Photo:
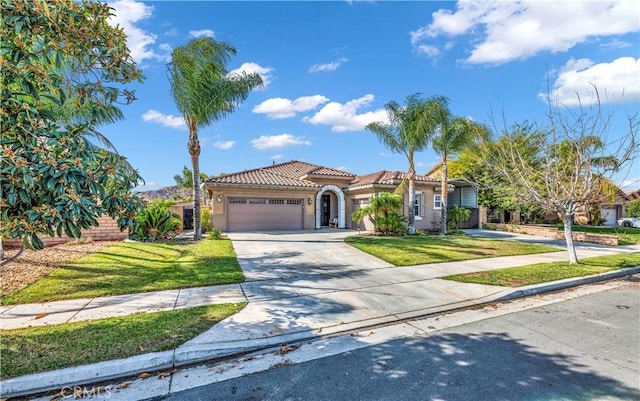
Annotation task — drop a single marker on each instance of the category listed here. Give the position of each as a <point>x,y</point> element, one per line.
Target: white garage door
<point>609,216</point>
<point>264,214</point>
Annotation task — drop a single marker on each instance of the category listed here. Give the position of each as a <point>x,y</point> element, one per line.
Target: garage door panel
<point>609,216</point>
<point>257,214</point>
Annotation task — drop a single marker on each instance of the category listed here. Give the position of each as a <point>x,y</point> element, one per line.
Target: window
<point>237,200</point>
<point>417,203</point>
<point>437,201</point>
<point>294,201</point>
<point>276,201</point>
<point>257,201</point>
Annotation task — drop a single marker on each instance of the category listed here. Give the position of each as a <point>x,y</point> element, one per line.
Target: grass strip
<point>417,250</point>
<point>546,272</point>
<point>39,349</point>
<point>128,268</point>
<point>626,236</point>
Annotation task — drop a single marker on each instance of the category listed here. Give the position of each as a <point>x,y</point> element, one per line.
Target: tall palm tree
<point>408,131</point>
<point>204,92</point>
<point>452,134</point>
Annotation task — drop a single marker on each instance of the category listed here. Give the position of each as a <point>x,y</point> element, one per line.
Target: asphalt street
<point>586,348</point>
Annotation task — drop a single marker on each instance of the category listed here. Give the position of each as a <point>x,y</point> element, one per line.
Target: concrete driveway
<point>281,255</point>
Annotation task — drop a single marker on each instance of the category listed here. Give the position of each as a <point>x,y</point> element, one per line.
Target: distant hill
<point>166,193</point>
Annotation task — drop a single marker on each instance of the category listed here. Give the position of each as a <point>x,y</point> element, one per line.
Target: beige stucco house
<point>297,195</point>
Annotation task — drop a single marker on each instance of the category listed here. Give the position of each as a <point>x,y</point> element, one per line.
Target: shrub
<point>215,234</point>
<point>206,220</point>
<point>633,208</point>
<point>458,214</point>
<point>382,210</point>
<point>156,221</point>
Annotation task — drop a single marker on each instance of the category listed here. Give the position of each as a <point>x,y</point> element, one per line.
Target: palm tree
<point>382,210</point>
<point>408,131</point>
<point>204,92</point>
<point>452,134</point>
<point>186,179</point>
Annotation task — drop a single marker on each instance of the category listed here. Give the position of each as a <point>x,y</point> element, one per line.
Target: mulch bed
<point>32,265</point>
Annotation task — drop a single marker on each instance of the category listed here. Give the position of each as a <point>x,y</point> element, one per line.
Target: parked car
<point>629,222</point>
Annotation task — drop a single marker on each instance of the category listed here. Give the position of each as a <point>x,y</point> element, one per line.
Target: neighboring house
<point>297,195</point>
<point>633,195</point>
<point>465,194</point>
<point>613,209</point>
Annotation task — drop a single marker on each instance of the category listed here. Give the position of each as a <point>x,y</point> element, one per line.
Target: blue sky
<point>330,67</point>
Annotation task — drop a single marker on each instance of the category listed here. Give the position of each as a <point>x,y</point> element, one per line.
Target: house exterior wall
<point>219,215</point>
<point>107,230</point>
<point>429,219</point>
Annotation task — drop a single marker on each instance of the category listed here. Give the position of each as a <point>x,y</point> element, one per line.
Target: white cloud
<point>384,154</point>
<point>518,30</point>
<point>224,144</point>
<point>341,168</point>
<point>250,68</point>
<point>578,80</point>
<point>276,157</point>
<point>430,51</point>
<point>332,66</point>
<point>202,32</point>
<point>166,120</point>
<point>344,117</point>
<point>279,107</point>
<point>420,164</point>
<point>265,142</point>
<point>630,184</point>
<point>171,32</point>
<point>127,14</point>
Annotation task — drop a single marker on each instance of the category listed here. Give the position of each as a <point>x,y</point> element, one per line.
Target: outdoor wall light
<point>219,198</point>
<point>309,201</point>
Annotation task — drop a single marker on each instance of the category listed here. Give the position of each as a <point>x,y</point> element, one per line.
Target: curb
<point>182,356</point>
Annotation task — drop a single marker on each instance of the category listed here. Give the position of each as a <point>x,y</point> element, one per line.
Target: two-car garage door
<point>264,214</point>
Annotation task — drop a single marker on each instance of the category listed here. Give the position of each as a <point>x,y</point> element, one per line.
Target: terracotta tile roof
<point>632,195</point>
<point>261,177</point>
<point>385,177</point>
<point>297,169</point>
<point>289,175</point>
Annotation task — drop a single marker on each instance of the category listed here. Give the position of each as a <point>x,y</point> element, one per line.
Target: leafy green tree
<point>63,73</point>
<point>382,210</point>
<point>494,192</point>
<point>451,135</point>
<point>567,165</point>
<point>186,179</point>
<point>204,92</point>
<point>408,131</point>
<point>633,208</point>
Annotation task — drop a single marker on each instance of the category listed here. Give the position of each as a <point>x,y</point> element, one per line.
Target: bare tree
<point>572,162</point>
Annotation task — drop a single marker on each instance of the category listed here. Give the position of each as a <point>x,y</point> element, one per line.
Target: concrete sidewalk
<point>329,288</point>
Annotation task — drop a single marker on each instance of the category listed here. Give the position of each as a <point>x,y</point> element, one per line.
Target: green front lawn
<point>552,271</point>
<point>39,349</point>
<point>128,268</point>
<point>416,250</point>
<point>626,236</point>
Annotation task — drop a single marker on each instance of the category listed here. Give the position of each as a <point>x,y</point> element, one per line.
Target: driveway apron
<point>308,283</point>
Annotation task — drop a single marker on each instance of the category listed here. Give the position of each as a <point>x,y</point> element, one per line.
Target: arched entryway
<point>341,205</point>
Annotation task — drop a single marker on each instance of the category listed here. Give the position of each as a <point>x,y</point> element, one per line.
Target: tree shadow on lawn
<point>443,367</point>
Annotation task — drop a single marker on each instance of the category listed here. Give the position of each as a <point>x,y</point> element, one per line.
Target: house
<point>612,208</point>
<point>297,195</point>
<point>465,194</point>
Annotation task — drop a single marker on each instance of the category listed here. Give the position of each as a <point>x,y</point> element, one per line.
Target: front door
<point>187,219</point>
<point>325,210</point>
